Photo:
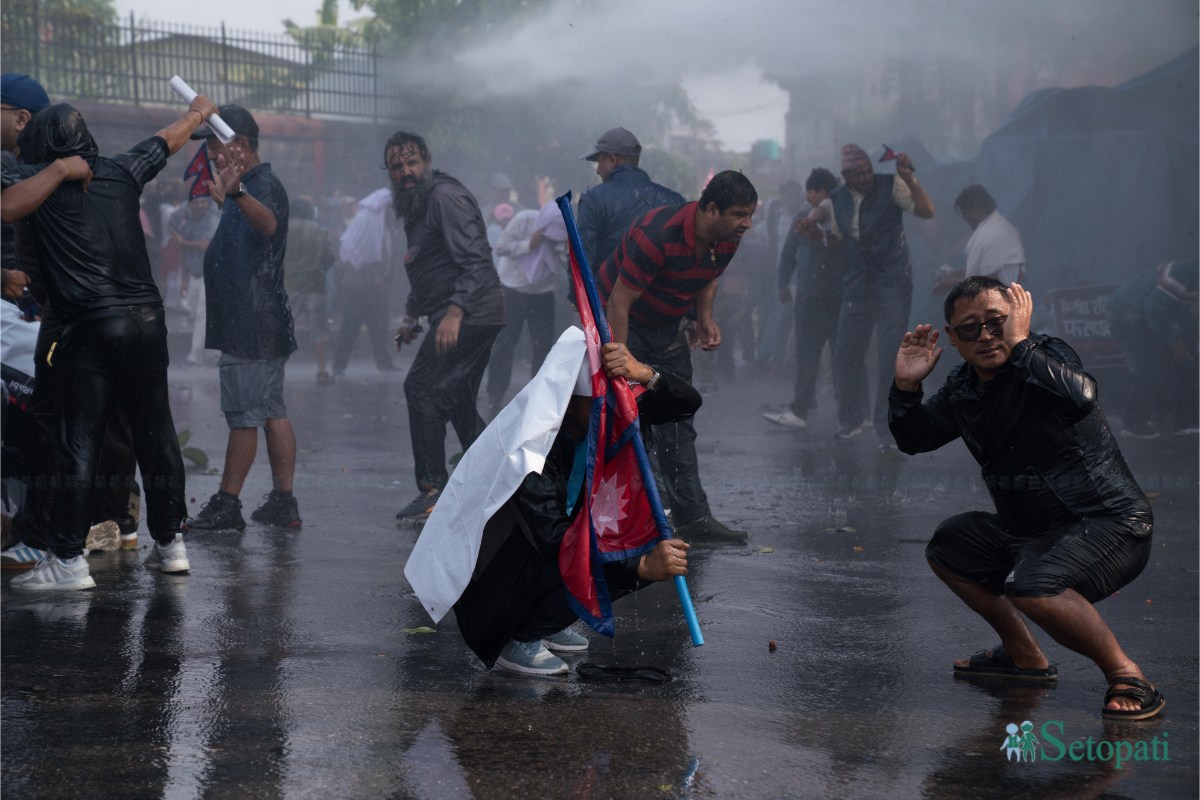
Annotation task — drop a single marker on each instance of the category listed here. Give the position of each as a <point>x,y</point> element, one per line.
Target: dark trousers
<point>871,302</point>
<point>816,324</point>
<point>675,442</point>
<point>441,389</point>
<point>363,307</point>
<point>115,479</point>
<point>109,358</point>
<point>533,310</point>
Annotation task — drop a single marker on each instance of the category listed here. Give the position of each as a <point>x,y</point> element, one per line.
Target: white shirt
<point>995,249</point>
<point>532,271</point>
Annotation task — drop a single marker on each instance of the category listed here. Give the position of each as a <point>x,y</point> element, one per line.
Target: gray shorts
<point>251,391</point>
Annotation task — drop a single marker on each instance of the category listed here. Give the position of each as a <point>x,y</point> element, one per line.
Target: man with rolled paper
<point>250,322</point>
<point>81,212</point>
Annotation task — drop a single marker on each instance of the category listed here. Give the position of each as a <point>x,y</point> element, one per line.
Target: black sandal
<point>1151,699</point>
<point>997,661</point>
<point>589,671</point>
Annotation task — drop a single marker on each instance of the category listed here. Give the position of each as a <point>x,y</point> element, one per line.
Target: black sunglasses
<point>970,331</point>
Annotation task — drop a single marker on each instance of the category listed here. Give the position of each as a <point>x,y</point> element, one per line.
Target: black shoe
<point>711,530</point>
<point>220,513</point>
<point>421,507</point>
<point>279,511</point>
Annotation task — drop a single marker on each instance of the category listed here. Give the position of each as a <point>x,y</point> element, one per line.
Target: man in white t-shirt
<point>995,248</point>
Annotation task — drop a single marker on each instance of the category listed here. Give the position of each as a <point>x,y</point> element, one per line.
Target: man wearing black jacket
<point>112,349</point>
<point>455,285</point>
<point>1071,524</point>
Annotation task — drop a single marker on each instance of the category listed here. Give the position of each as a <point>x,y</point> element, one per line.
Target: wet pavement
<point>287,665</point>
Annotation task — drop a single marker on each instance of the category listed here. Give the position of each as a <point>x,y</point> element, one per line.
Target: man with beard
<point>666,265</point>
<point>455,286</point>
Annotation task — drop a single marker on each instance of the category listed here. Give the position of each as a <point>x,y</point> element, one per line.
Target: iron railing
<point>76,58</point>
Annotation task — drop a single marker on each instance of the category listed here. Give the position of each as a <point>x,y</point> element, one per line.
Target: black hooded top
<point>90,245</point>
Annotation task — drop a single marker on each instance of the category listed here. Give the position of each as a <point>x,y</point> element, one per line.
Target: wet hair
<point>56,132</point>
<point>821,179</point>
<point>400,139</point>
<point>974,198</point>
<point>970,288</point>
<point>302,208</point>
<point>728,189</point>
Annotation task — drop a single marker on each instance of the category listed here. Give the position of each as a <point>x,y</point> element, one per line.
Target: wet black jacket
<point>497,600</point>
<point>607,211</point>
<point>1048,456</point>
<point>449,260</point>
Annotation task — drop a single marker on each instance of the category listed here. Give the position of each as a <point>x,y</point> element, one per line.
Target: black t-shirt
<point>90,244</point>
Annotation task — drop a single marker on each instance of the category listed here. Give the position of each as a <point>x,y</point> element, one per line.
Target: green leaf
<point>422,629</point>
<point>184,436</point>
<point>197,457</point>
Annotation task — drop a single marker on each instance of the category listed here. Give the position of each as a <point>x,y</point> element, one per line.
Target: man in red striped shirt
<point>667,265</point>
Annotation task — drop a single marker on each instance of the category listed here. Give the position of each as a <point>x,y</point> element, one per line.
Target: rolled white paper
<point>222,130</point>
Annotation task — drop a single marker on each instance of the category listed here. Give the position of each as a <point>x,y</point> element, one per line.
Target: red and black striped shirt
<point>658,256</point>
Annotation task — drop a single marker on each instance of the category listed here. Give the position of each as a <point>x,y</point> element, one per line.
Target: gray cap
<point>617,141</point>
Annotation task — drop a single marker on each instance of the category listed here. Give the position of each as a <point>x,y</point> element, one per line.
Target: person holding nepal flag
<point>553,512</point>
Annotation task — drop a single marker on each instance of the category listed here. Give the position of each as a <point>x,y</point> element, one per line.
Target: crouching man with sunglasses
<point>1071,524</point>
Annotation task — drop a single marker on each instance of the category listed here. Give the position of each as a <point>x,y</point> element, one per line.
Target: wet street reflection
<point>294,664</point>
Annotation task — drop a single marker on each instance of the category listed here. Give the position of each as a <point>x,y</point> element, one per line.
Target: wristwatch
<point>650,384</point>
<point>241,190</point>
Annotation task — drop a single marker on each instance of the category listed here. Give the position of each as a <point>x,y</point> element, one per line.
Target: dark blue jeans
<point>674,446</point>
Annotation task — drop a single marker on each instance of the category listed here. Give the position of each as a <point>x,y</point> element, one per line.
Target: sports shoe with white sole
<point>54,573</point>
<point>786,418</point>
<point>21,556</point>
<point>170,557</point>
<point>566,641</point>
<point>530,658</point>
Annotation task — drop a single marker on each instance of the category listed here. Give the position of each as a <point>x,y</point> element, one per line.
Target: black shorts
<point>1095,556</point>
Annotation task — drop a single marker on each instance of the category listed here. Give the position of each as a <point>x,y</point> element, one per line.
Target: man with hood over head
<point>113,350</point>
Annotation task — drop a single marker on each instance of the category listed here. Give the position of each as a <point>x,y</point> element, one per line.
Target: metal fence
<point>75,57</point>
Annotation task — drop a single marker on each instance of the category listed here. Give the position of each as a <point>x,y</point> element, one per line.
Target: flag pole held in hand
<point>613,429</point>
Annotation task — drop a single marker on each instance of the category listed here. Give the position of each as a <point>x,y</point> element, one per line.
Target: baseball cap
<point>617,141</point>
<point>237,118</point>
<point>21,91</point>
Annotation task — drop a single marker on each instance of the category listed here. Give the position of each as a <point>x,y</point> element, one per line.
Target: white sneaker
<point>169,558</point>
<point>54,573</point>
<point>785,418</point>
<point>530,658</point>
<point>566,641</point>
<point>21,556</point>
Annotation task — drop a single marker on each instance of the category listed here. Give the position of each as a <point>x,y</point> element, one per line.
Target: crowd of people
<point>248,263</point>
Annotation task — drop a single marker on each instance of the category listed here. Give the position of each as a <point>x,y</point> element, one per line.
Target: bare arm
<point>706,326</point>
<point>22,199</point>
<point>176,134</point>
<point>922,205</point>
<point>619,302</point>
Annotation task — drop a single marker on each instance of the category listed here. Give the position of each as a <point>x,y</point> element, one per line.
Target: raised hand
<point>916,358</point>
<point>1020,302</point>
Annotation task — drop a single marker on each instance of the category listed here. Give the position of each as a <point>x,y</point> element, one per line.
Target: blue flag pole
<point>660,518</point>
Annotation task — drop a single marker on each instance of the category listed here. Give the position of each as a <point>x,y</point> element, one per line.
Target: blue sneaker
<point>565,641</point>
<point>530,658</point>
<point>21,556</point>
